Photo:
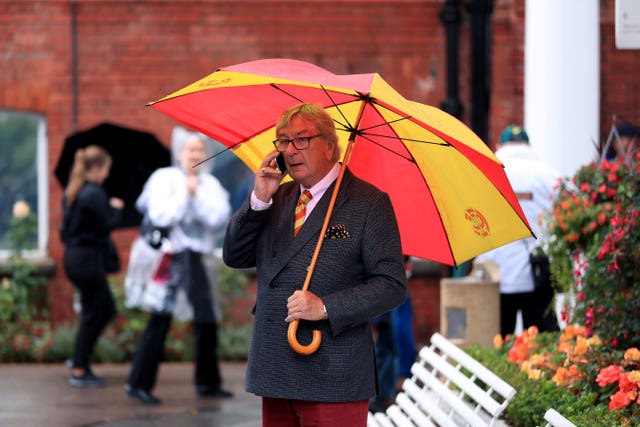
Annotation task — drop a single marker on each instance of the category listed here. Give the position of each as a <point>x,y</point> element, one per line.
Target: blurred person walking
<point>191,206</point>
<point>88,219</point>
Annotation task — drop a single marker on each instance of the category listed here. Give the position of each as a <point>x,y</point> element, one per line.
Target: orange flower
<point>532,331</point>
<point>573,237</point>
<point>535,374</point>
<point>609,375</point>
<point>560,376</point>
<point>498,342</point>
<point>581,346</point>
<point>518,353</point>
<point>574,373</point>
<point>632,354</point>
<point>564,376</point>
<point>634,377</point>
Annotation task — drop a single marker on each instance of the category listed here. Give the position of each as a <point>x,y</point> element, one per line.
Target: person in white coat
<point>535,184</point>
<point>193,207</point>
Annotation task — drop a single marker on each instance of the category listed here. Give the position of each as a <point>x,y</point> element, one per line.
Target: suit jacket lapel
<point>287,245</point>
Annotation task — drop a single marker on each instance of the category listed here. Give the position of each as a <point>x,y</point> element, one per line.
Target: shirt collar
<point>321,186</point>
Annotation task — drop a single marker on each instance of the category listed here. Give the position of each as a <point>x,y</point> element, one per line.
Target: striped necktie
<point>301,211</point>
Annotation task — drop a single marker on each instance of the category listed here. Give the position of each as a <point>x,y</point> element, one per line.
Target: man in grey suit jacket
<point>359,275</point>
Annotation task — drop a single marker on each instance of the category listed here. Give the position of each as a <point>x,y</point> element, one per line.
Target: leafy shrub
<point>594,248</point>
<point>28,340</point>
<point>569,372</point>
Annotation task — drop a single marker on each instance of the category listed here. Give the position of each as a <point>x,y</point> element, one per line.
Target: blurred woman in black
<point>89,217</point>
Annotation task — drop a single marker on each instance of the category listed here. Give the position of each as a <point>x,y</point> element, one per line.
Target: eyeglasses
<point>299,142</point>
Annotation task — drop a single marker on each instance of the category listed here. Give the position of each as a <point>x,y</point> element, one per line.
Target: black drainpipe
<point>451,17</point>
<point>74,66</point>
<point>480,16</point>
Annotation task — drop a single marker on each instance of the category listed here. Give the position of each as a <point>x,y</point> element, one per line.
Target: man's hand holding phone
<point>268,176</point>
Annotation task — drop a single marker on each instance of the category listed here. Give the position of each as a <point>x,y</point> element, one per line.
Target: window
<point>23,176</point>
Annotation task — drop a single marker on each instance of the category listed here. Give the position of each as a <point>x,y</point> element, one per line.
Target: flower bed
<point>585,381</point>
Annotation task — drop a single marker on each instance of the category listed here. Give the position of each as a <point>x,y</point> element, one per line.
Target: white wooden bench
<point>447,388</point>
<point>555,419</point>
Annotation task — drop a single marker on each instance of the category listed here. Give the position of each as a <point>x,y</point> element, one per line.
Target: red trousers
<point>301,413</point>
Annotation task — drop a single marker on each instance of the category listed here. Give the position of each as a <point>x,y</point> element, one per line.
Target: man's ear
<point>329,150</point>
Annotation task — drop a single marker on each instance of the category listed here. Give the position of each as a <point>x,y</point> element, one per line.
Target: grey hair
<point>179,138</point>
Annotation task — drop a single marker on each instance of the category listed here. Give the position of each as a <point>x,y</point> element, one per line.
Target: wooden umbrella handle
<point>293,326</point>
<point>304,350</point>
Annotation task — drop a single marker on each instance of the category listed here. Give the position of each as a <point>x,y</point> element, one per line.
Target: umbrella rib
<point>275,86</point>
<point>348,125</point>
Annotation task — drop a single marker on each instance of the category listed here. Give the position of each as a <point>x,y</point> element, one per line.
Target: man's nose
<point>291,149</point>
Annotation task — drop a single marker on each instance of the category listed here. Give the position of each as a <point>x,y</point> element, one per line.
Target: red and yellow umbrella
<point>451,195</point>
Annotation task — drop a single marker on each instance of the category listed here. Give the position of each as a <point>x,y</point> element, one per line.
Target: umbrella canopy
<point>136,154</point>
<point>450,193</point>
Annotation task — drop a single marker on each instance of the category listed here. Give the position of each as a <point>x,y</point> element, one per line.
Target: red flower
<point>602,218</point>
<point>626,384</point>
<point>619,400</point>
<point>609,375</point>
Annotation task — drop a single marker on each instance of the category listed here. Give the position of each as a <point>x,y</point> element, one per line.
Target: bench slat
<point>555,419</point>
<point>428,401</point>
<point>382,419</point>
<point>410,407</point>
<point>398,417</point>
<point>452,399</point>
<point>465,383</point>
<point>371,421</point>
<point>482,372</point>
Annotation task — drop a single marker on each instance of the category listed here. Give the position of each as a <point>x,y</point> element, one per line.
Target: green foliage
<point>22,233</point>
<point>22,293</point>
<point>28,340</point>
<point>233,342</point>
<point>62,342</point>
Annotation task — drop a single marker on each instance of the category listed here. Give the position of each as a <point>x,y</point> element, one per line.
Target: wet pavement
<point>38,395</point>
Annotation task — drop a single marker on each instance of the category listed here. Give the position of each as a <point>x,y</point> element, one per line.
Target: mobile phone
<point>281,164</point>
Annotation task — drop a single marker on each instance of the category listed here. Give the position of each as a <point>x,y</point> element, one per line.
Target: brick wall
<point>131,52</point>
<point>619,70</point>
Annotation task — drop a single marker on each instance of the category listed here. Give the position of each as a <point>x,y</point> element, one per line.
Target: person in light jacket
<point>193,206</point>
<point>535,184</point>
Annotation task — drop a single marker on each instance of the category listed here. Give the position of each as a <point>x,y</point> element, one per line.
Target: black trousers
<point>188,269</point>
<point>525,302</point>
<point>85,268</point>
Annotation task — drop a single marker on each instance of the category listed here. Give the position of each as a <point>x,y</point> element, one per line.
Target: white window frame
<point>42,167</point>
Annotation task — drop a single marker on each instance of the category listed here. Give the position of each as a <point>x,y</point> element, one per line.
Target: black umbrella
<point>136,154</point>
